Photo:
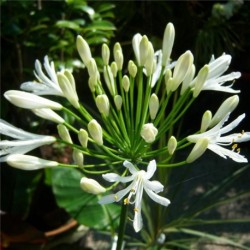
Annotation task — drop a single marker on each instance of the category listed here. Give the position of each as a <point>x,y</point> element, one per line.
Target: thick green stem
<point>122,226</point>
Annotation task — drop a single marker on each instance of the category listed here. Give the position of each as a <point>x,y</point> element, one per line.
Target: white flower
<point>24,142</point>
<point>216,141</point>
<point>28,162</point>
<point>45,85</point>
<point>139,181</point>
<point>216,79</point>
<point>149,132</point>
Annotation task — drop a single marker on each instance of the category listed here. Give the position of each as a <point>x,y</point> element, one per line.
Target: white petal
<point>113,177</point>
<point>107,199</point>
<point>150,169</point>
<point>219,66</point>
<point>155,186</point>
<point>157,198</point>
<point>136,43</point>
<point>223,152</point>
<point>233,124</point>
<point>137,223</point>
<point>234,138</point>
<point>130,167</point>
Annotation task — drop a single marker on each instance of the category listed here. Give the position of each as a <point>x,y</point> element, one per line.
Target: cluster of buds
<point>136,112</point>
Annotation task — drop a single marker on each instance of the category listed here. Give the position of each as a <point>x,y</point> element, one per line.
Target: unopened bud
<point>200,80</point>
<point>118,55</point>
<point>153,106</point>
<point>102,103</point>
<point>143,47</point>
<point>206,120</point>
<point>91,186</point>
<point>226,107</point>
<point>149,132</point>
<point>167,44</point>
<point>105,54</point>
<point>125,83</point>
<point>95,131</point>
<point>83,49</point>
<point>64,133</point>
<point>92,83</point>
<point>48,114</point>
<point>132,68</point>
<point>92,67</point>
<point>172,144</point>
<point>182,67</point>
<point>78,157</point>
<point>118,102</point>
<point>114,69</point>
<point>83,137</point>
<point>150,61</point>
<point>198,149</point>
<point>68,89</point>
<point>109,79</point>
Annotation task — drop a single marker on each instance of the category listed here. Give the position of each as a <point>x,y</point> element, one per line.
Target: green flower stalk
<point>138,106</point>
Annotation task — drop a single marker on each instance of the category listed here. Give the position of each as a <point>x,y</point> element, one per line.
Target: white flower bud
<point>149,132</point>
<point>48,114</point>
<point>182,67</point>
<point>125,83</point>
<point>109,79</point>
<point>92,67</point>
<point>105,54</point>
<point>114,69</point>
<point>102,103</point>
<point>169,84</point>
<point>28,162</point>
<point>198,149</point>
<point>188,79</point>
<point>83,137</point>
<point>92,83</point>
<point>118,102</point>
<point>95,131</point>
<point>153,106</point>
<point>78,157</point>
<point>226,107</point>
<point>83,50</point>
<point>150,61</point>
<point>70,77</point>
<point>143,47</point>
<point>26,100</point>
<point>91,186</point>
<point>64,133</point>
<point>68,89</point>
<point>172,144</point>
<point>167,44</point>
<point>200,80</point>
<point>206,120</point>
<point>118,55</point>
<point>132,68</point>
<point>136,44</point>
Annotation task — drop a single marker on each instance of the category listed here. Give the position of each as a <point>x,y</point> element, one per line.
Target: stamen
<point>234,146</point>
<point>126,201</point>
<point>136,209</point>
<point>238,150</point>
<point>132,190</point>
<point>242,132</point>
<point>116,197</point>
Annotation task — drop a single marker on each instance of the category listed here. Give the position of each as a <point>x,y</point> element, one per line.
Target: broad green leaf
<point>100,25</point>
<point>80,205</point>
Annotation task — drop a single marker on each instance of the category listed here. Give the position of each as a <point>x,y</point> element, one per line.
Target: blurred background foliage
<point>32,29</point>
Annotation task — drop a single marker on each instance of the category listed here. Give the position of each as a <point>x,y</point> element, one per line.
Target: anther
<point>126,201</point>
<point>136,209</point>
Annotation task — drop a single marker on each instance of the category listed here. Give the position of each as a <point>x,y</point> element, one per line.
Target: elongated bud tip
<point>91,186</point>
<point>105,54</point>
<point>125,83</point>
<point>78,157</point>
<point>83,137</point>
<point>198,149</point>
<point>83,49</point>
<point>200,80</point>
<point>64,133</point>
<point>102,103</point>
<point>206,120</point>
<point>132,68</point>
<point>172,144</point>
<point>118,102</point>
<point>153,106</point>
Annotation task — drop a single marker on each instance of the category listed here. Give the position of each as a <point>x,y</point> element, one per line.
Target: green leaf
<point>100,25</point>
<point>68,24</point>
<point>80,205</point>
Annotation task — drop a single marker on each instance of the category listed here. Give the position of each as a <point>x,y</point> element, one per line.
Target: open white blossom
<point>23,143</point>
<point>216,140</point>
<point>139,181</point>
<point>46,85</point>
<point>216,80</point>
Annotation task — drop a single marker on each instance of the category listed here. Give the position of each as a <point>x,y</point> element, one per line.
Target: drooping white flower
<point>139,181</point>
<point>216,80</point>
<point>29,162</point>
<point>23,143</point>
<point>216,140</point>
<point>47,84</point>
